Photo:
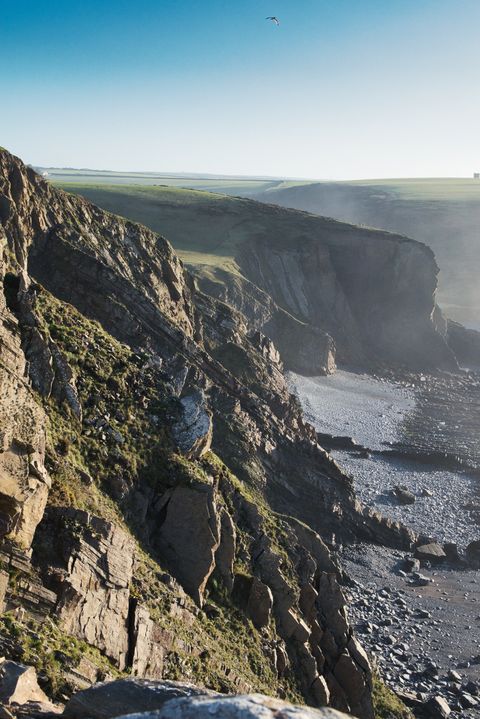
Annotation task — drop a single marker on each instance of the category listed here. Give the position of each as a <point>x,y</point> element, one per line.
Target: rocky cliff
<point>165,510</point>
<point>364,296</point>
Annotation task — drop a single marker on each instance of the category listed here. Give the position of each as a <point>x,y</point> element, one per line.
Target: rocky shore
<point>409,443</point>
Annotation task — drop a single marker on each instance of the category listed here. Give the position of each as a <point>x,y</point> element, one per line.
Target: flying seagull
<point>273,19</point>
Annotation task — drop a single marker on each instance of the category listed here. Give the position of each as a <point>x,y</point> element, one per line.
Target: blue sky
<point>342,89</point>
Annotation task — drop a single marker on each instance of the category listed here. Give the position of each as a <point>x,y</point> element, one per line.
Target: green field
<point>226,185</point>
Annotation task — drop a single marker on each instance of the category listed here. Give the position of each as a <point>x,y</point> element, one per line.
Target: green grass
<point>225,185</point>
<point>436,189</point>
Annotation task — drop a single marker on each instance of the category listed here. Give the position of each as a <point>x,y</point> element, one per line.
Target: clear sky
<point>342,89</point>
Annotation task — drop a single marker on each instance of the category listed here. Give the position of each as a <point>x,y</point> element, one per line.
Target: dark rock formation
<point>465,343</point>
<point>189,535</point>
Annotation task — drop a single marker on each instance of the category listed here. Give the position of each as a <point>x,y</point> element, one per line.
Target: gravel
<point>373,411</point>
<point>369,410</point>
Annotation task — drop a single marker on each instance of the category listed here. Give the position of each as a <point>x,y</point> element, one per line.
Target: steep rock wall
<point>374,293</point>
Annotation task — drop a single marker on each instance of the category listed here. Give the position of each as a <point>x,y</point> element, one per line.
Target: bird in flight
<point>273,19</point>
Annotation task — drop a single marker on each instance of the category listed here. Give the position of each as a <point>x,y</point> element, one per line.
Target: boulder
<point>225,555</point>
<point>437,708</point>
<point>260,603</point>
<point>403,495</point>
<point>93,596</point>
<point>19,685</point>
<point>193,431</point>
<point>411,564</point>
<point>251,706</point>
<point>432,552</point>
<point>124,696</point>
<point>473,552</point>
<point>189,535</point>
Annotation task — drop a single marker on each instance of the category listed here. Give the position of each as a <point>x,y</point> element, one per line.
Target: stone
<point>411,564</point>
<point>467,701</point>
<point>225,554</point>
<point>432,552</point>
<point>19,685</point>
<point>321,692</point>
<point>146,638</point>
<point>251,706</point>
<point>358,653</point>
<point>454,675</point>
<point>451,551</point>
<point>110,699</point>
<point>353,681</point>
<point>3,589</point>
<point>438,708</point>
<point>281,660</point>
<point>403,495</point>
<point>93,596</point>
<point>193,431</point>
<point>473,553</point>
<point>260,603</point>
<point>189,535</point>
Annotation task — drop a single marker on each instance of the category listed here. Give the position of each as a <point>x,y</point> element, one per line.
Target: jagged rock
<point>293,627</point>
<point>193,431</point>
<point>189,535</point>
<point>430,553</point>
<point>281,660</point>
<point>260,603</point>
<point>132,696</point>
<point>465,343</point>
<point>411,564</point>
<point>3,588</point>
<point>359,654</point>
<point>321,692</point>
<point>451,551</point>
<point>353,682</point>
<point>225,554</point>
<point>93,597</point>
<point>18,684</point>
<point>23,492</point>
<point>149,651</point>
<point>438,708</point>
<point>253,706</point>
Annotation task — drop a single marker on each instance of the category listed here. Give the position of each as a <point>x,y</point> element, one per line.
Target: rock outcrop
<point>188,535</point>
<point>173,541</point>
<point>373,292</point>
<point>24,481</point>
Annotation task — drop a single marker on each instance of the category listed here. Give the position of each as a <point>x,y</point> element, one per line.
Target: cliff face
<point>373,292</point>
<point>152,539</point>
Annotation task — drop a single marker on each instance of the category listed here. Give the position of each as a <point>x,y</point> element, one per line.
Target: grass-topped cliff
<point>313,268</point>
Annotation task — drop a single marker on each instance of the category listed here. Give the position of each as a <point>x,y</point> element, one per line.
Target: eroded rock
<point>19,685</point>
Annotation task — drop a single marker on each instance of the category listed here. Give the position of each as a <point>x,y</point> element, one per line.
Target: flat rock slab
<point>251,706</point>
<point>112,699</point>
<point>18,684</point>
<point>432,552</point>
